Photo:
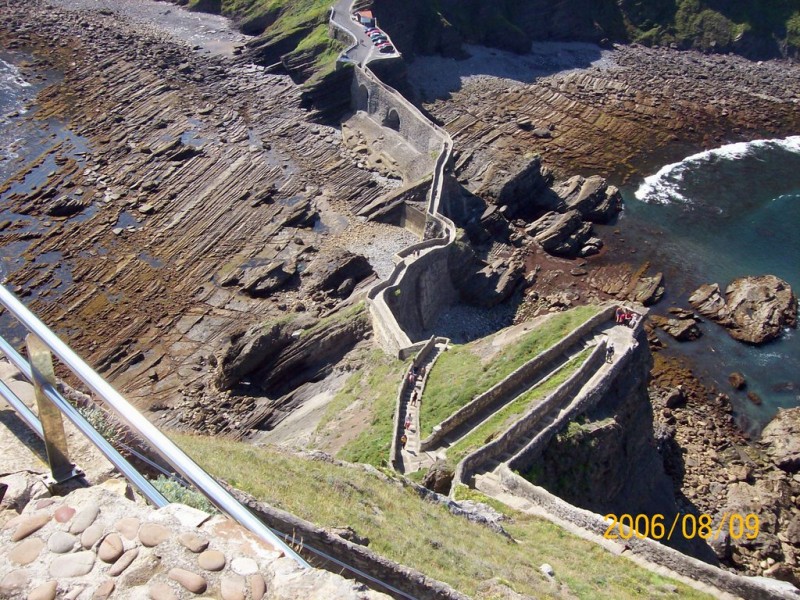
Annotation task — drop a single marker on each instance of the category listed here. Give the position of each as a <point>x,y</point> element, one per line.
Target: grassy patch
<point>511,412</point>
<point>458,375</point>
<point>175,492</point>
<point>357,311</point>
<point>405,528</point>
<point>375,385</point>
<point>300,24</point>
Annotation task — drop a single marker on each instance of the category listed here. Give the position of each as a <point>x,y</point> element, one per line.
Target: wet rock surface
<point>202,193</point>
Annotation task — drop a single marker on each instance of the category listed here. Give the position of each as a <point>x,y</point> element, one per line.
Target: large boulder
<point>327,273</point>
<point>683,330</point>
<point>753,309</point>
<point>521,186</point>
<point>262,280</point>
<point>782,439</point>
<point>592,197</point>
<point>562,234</point>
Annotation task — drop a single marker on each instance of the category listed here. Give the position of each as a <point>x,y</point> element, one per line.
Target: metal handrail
<point>130,472</point>
<point>128,414</point>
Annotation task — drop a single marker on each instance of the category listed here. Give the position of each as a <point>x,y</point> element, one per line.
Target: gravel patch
<point>213,34</point>
<point>436,76</point>
<point>463,323</point>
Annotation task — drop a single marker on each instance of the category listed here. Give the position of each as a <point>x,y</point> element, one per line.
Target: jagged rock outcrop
<point>592,197</point>
<point>249,349</point>
<point>336,272</point>
<point>519,184</point>
<point>262,280</point>
<point>480,283</point>
<point>563,234</point>
<point>439,478</point>
<point>782,440</point>
<point>682,330</point>
<point>753,309</point>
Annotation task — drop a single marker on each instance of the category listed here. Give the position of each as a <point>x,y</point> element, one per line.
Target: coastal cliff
<point>607,460</point>
<point>748,29</point>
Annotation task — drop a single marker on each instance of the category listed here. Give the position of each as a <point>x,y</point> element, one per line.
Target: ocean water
<point>712,217</point>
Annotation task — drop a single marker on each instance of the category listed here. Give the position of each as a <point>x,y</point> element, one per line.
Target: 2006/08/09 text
<point>688,525</point>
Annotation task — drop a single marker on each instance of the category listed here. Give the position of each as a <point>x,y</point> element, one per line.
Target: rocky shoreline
<point>616,120</point>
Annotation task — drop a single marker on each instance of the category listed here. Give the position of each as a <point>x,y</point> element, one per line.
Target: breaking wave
<point>665,187</point>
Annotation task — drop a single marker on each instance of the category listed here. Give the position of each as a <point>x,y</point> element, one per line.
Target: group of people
<point>623,316</point>
<point>414,373</point>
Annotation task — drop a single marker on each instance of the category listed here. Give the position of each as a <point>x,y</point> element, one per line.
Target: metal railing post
<point>55,439</point>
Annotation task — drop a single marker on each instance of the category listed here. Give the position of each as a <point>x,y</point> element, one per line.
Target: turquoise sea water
<point>715,216</point>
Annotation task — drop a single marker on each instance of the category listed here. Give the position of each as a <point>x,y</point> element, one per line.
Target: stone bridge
<point>409,300</point>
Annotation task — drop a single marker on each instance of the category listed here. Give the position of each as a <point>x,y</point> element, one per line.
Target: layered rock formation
<point>753,309</point>
<point>782,439</point>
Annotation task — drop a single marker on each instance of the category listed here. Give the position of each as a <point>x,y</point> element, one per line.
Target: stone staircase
<point>412,457</point>
<point>521,443</point>
<point>477,420</point>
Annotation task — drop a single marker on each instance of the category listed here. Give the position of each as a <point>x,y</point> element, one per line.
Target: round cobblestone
<point>61,542</point>
<point>191,581</point>
<point>26,551</point>
<point>46,591</point>
<point>111,548</point>
<point>152,534</point>
<point>211,560</point>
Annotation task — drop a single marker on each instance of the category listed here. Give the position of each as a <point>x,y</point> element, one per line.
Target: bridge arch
<point>362,98</point>
<point>392,120</point>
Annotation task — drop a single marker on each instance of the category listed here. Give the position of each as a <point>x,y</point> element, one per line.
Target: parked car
<point>371,30</point>
<point>380,40</point>
<point>383,45</point>
<point>377,35</point>
<point>386,49</point>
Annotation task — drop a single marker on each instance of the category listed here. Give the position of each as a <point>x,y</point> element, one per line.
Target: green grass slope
<point>294,29</point>
<point>407,529</point>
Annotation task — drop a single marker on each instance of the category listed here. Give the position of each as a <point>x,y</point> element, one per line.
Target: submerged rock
<point>753,309</point>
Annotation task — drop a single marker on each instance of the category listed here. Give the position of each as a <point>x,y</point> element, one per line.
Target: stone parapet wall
<point>750,588</point>
<point>472,462</point>
<point>516,379</point>
<point>586,401</point>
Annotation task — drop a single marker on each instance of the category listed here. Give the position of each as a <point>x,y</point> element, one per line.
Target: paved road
<point>365,51</point>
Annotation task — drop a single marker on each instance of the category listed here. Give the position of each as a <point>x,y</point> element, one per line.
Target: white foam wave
<point>9,74</point>
<point>664,186</point>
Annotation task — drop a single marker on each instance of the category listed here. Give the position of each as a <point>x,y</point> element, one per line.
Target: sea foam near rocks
<point>664,187</point>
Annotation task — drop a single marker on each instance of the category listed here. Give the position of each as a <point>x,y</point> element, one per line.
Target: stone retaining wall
<point>516,379</point>
<point>751,588</point>
<point>469,465</point>
<point>524,458</point>
<point>381,100</point>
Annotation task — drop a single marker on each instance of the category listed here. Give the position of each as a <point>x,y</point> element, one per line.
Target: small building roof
<point>367,14</point>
